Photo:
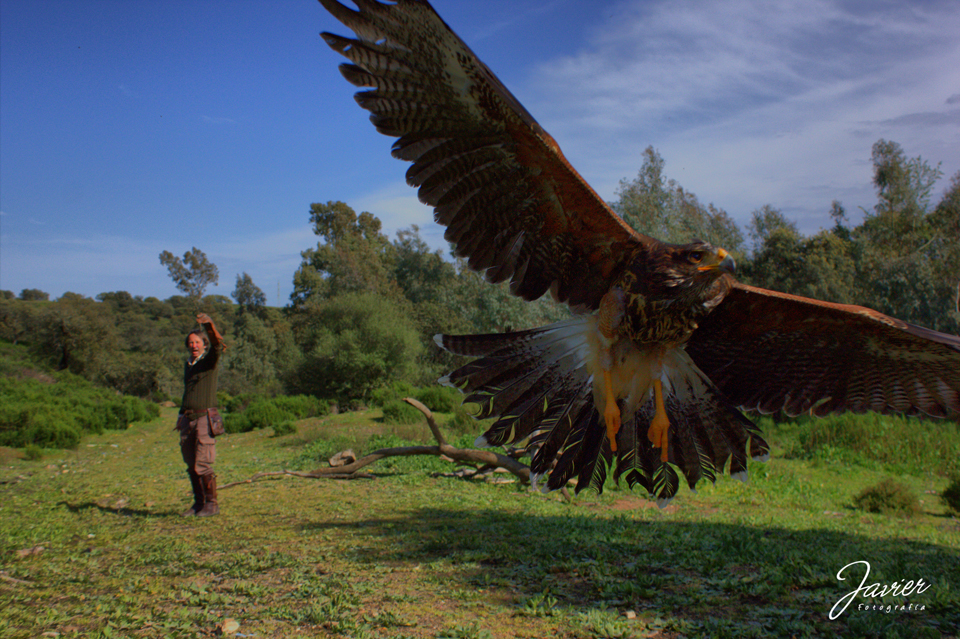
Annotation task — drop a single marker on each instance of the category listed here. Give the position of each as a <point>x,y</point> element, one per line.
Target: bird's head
<point>689,273</point>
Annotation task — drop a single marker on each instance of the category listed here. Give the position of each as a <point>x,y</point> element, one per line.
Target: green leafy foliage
<point>353,344</point>
<point>905,444</point>
<point>54,410</point>
<point>365,308</point>
<point>663,209</point>
<point>901,260</point>
<point>400,412</point>
<point>192,274</point>
<point>354,256</point>
<point>888,497</point>
<point>951,494</point>
<point>277,413</point>
<point>441,399</point>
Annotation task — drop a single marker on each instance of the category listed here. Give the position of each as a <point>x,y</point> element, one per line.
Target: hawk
<point>664,348</point>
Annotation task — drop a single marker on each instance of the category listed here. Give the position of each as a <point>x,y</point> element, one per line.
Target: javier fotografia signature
<point>878,590</point>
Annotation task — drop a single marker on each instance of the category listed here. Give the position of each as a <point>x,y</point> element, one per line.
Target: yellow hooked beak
<point>722,260</point>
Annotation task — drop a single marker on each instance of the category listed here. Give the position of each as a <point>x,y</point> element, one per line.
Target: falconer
<point>199,421</point>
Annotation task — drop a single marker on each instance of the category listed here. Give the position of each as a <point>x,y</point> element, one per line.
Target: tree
<point>75,335</point>
<point>34,295</point>
<point>819,266</point>
<point>192,274</point>
<point>661,208</point>
<point>908,254</point>
<point>766,222</point>
<point>251,357</point>
<point>354,256</point>
<point>248,295</point>
<point>352,344</point>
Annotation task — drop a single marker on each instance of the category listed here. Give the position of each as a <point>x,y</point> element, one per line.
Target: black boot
<point>209,485</point>
<point>197,495</point>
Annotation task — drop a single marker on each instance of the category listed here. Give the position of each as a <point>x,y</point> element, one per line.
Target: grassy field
<point>91,546</point>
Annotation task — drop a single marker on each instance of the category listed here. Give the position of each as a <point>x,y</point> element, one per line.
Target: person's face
<point>195,346</point>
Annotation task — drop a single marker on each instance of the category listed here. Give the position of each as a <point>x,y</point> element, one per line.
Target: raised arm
<point>216,339</point>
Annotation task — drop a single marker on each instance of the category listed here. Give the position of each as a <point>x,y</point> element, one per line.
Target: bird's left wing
<point>511,202</point>
<point>771,351</point>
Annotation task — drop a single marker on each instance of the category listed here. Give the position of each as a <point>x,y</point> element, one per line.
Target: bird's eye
<point>695,257</point>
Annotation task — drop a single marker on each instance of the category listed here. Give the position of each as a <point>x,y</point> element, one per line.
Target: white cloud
<point>753,103</point>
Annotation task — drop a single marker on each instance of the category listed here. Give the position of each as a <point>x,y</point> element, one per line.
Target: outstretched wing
<point>772,351</point>
<point>511,202</point>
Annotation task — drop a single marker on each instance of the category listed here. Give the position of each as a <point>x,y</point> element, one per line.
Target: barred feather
<point>518,212</point>
<point>539,384</point>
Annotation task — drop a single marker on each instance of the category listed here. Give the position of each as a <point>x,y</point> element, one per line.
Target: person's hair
<point>197,331</point>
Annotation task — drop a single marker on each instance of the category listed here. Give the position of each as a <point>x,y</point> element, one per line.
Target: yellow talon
<point>611,414</point>
<point>660,424</point>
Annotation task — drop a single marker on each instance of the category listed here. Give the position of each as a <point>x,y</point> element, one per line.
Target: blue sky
<point>130,127</point>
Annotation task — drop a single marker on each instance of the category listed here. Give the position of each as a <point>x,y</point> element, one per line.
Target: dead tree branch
<point>351,470</point>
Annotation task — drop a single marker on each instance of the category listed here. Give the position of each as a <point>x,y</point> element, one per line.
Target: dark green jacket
<point>200,382</point>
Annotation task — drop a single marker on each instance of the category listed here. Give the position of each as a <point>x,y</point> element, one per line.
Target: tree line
<point>364,307</point>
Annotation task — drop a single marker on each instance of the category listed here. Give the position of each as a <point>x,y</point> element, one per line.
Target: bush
<point>354,344</point>
<point>278,413</point>
<point>464,424</point>
<point>33,452</point>
<point>284,428</point>
<point>921,445</point>
<point>888,497</point>
<point>236,403</point>
<point>391,392</point>
<point>56,412</point>
<point>440,399</point>
<point>398,411</point>
<point>951,495</point>
<point>303,406</point>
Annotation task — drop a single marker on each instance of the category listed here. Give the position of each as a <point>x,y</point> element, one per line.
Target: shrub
<point>463,423</point>
<point>441,399</point>
<point>33,452</point>
<point>398,411</point>
<point>353,344</point>
<point>302,406</point>
<point>951,495</point>
<point>236,403</point>
<point>284,428</point>
<point>396,390</point>
<point>277,413</point>
<point>266,413</point>
<point>888,497</point>
<point>56,413</point>
<point>922,445</point>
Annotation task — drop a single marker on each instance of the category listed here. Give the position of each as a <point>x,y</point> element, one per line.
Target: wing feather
<point>771,351</point>
<point>493,174</point>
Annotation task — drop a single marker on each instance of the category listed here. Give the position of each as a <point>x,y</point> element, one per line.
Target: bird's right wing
<point>511,202</point>
<point>771,351</point>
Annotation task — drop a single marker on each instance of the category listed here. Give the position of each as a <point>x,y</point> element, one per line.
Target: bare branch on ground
<point>488,458</point>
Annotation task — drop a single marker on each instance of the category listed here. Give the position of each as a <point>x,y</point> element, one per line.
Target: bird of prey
<point>664,347</point>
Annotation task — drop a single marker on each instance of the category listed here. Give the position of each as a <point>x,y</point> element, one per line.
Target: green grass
<point>413,554</point>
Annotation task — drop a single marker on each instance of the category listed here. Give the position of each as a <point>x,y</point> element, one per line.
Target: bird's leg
<point>610,316</point>
<point>611,413</point>
<point>660,424</point>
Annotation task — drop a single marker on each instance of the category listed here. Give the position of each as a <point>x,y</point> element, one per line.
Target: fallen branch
<point>20,582</point>
<point>442,449</point>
